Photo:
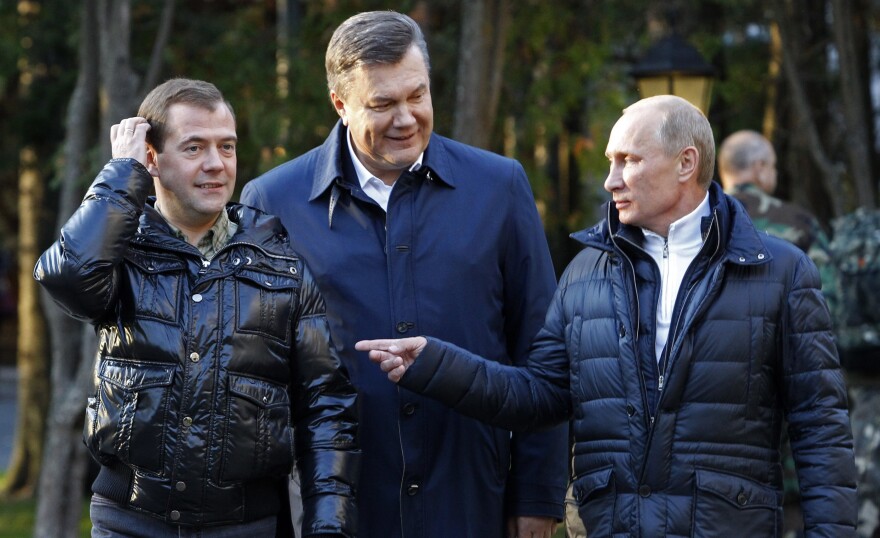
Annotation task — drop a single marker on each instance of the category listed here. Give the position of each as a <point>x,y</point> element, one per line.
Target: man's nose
<point>213,160</point>
<point>614,180</point>
<point>404,116</point>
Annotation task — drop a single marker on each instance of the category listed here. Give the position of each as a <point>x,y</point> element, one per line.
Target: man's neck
<point>192,232</point>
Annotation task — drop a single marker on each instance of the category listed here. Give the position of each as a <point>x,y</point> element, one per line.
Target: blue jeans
<point>110,520</point>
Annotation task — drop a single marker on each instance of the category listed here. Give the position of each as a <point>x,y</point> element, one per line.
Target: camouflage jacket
<point>779,218</point>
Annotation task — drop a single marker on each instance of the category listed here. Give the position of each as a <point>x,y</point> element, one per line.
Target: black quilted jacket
<point>209,372</point>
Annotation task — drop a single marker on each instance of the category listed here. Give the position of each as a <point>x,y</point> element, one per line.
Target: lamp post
<point>673,66</point>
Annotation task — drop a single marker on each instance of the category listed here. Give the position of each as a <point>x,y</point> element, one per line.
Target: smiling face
<point>195,172</point>
<point>389,114</point>
<point>650,188</point>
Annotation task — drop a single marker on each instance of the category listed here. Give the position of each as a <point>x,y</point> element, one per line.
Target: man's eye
<point>380,107</point>
<point>191,149</point>
<point>230,148</point>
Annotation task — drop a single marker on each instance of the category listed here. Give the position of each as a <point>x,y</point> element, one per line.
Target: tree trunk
<point>119,82</point>
<point>59,498</point>
<point>830,171</point>
<point>164,33</point>
<point>288,18</point>
<point>774,66</point>
<point>480,70</point>
<point>105,68</point>
<point>32,364</point>
<point>856,111</point>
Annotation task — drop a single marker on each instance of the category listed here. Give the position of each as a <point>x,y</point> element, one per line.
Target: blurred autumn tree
<point>538,80</point>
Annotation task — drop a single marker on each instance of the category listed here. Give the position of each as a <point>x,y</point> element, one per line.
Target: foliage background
<point>565,78</point>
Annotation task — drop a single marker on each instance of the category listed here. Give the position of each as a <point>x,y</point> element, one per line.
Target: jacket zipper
<point>662,371</point>
<point>664,277</point>
<point>638,322</point>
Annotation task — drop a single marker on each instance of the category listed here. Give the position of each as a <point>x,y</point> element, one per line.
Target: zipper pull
<point>660,383</point>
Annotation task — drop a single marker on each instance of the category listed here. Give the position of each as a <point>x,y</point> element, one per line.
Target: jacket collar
<point>741,241</point>
<point>329,170</point>
<point>254,227</point>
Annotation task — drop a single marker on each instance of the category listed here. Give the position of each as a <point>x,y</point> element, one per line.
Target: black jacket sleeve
<point>80,270</point>
<point>325,418</point>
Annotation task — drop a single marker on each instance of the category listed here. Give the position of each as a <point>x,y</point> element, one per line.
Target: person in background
<point>747,169</point>
<point>213,340</point>
<point>678,342</point>
<point>410,232</point>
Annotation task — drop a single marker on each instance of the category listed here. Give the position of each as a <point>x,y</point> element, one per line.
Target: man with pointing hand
<point>678,343</point>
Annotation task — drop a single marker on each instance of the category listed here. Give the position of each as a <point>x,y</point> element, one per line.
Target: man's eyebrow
<point>202,139</point>
<point>383,97</point>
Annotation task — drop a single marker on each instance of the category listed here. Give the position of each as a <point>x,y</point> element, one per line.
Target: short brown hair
<point>370,38</point>
<point>155,105</point>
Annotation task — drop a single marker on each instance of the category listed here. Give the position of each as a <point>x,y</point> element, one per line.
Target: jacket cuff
<point>422,370</point>
<point>331,515</point>
<point>538,508</point>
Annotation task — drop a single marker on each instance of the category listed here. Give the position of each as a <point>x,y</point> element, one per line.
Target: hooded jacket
<point>696,454</point>
<point>204,367</point>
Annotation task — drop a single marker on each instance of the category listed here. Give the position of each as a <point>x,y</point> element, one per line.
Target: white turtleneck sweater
<point>673,255</point>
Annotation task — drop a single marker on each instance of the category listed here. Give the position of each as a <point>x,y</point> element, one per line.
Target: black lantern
<point>673,66</point>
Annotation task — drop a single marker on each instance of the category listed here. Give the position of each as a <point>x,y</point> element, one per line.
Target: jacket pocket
<point>726,501</point>
<point>127,418</point>
<point>156,282</point>
<point>266,302</point>
<point>258,441</point>
<point>596,497</point>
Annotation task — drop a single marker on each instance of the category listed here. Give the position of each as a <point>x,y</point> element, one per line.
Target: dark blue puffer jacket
<point>749,347</point>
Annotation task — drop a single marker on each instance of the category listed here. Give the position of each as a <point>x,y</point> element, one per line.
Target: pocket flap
<point>273,281</point>
<point>136,375</point>
<point>154,263</point>
<point>586,485</point>
<point>261,393</point>
<point>737,490</point>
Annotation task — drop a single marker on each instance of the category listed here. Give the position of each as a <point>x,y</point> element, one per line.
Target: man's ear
<point>152,160</point>
<point>339,106</point>
<point>688,161</point>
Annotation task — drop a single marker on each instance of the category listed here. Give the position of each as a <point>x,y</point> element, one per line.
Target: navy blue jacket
<point>460,254</point>
<point>750,346</point>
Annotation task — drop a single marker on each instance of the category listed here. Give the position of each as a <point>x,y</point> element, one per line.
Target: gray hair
<point>682,125</point>
<point>370,38</point>
<point>742,149</point>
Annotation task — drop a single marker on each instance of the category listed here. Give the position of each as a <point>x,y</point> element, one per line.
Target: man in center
<point>408,232</point>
